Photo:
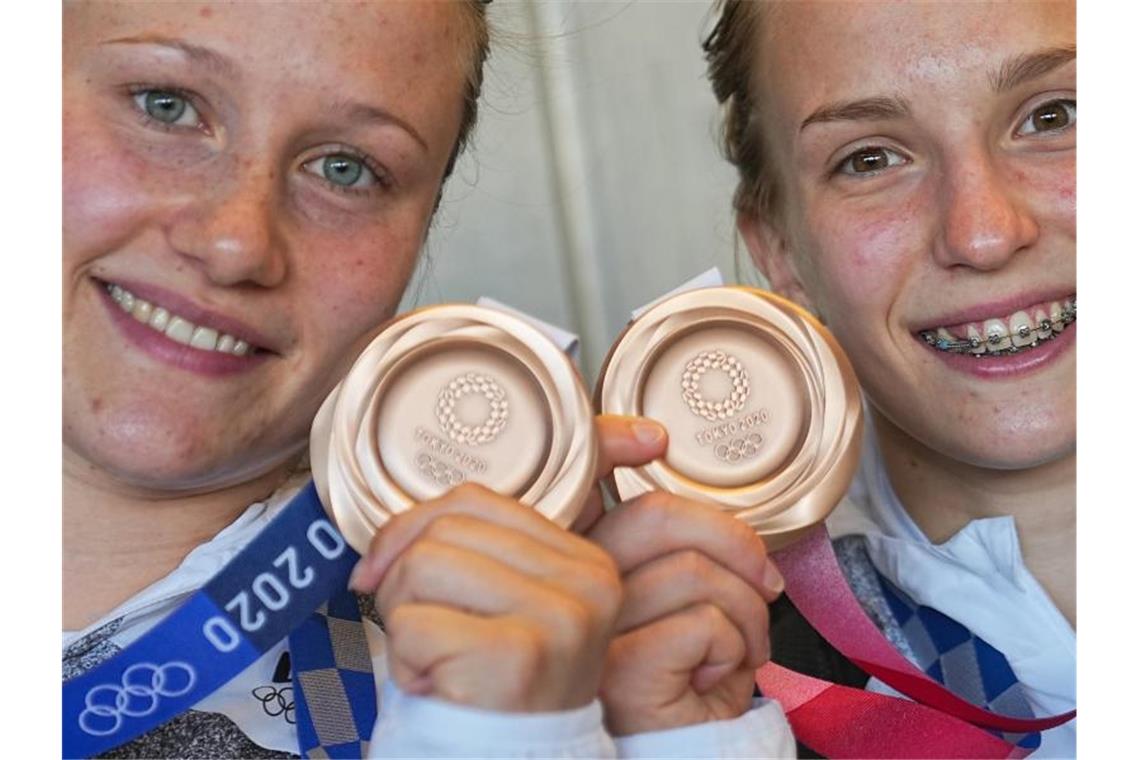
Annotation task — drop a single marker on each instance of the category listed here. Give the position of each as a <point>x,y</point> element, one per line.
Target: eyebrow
<point>196,53</point>
<point>355,110</point>
<point>864,109</point>
<point>1013,72</point>
<point>1023,68</point>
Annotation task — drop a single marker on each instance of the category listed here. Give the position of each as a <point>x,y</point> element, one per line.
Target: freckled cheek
<point>1053,195</point>
<point>103,201</point>
<point>863,260</point>
<point>358,288</point>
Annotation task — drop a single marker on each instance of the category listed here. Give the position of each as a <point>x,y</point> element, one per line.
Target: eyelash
<point>382,178</point>
<point>837,170</point>
<point>1068,104</point>
<point>135,90</point>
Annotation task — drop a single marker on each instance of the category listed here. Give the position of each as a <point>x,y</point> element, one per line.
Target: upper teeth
<point>179,329</point>
<point>1009,335</point>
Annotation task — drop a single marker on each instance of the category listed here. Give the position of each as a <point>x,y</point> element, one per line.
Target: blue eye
<point>343,170</point>
<point>167,107</point>
<point>869,160</point>
<point>1054,116</point>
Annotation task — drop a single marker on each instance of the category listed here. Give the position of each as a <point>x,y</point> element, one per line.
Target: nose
<point>230,230</point>
<point>985,219</point>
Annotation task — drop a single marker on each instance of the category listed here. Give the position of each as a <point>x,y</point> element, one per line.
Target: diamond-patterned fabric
<point>964,663</point>
<point>332,676</point>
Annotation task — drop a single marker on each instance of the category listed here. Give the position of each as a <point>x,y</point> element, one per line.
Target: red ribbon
<point>842,722</point>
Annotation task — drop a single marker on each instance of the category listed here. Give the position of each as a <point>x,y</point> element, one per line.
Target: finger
<point>628,442</point>
<point>434,573</point>
<point>622,441</point>
<point>670,584</point>
<point>470,499</point>
<point>592,511</point>
<point>444,652</point>
<point>658,523</point>
<point>595,583</point>
<point>661,657</point>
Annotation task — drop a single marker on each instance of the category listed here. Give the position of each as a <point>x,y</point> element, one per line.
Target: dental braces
<point>971,345</point>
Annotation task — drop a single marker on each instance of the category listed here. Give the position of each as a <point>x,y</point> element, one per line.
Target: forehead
<point>335,30</point>
<point>815,52</point>
<point>411,52</point>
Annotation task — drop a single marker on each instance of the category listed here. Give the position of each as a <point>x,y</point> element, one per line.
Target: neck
<point>942,495</point>
<point>119,540</point>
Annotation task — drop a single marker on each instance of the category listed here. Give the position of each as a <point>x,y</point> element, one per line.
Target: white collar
<point>978,578</point>
<point>154,602</point>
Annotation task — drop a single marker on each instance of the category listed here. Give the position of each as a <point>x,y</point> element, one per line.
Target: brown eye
<point>1050,117</point>
<point>869,160</point>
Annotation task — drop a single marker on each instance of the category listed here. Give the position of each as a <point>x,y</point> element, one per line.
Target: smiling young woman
<point>907,171</point>
<point>246,190</point>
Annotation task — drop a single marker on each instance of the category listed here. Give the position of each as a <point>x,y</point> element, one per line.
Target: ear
<point>772,256</point>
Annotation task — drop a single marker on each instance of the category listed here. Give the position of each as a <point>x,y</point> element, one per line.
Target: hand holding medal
<point>480,422</point>
<point>765,418</point>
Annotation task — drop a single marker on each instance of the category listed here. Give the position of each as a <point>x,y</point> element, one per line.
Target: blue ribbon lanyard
<point>271,587</point>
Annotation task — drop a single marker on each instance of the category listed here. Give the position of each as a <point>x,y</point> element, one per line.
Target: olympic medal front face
<point>731,402</point>
<point>447,395</point>
<point>464,414</point>
<point>763,410</point>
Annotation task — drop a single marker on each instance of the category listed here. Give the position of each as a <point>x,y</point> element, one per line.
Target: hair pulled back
<point>478,35</point>
<point>731,52</point>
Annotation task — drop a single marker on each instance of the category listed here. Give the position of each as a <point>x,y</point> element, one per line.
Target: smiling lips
<point>1023,330</point>
<point>178,328</point>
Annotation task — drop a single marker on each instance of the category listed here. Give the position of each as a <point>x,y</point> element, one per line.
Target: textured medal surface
<point>446,395</point>
<point>762,407</point>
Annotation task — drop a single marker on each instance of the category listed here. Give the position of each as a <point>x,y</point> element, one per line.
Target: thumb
<point>628,442</point>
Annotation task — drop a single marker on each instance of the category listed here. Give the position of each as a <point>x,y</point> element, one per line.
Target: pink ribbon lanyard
<point>844,722</point>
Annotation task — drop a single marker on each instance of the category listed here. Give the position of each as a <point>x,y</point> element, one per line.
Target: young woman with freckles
<point>246,190</point>
<point>907,172</point>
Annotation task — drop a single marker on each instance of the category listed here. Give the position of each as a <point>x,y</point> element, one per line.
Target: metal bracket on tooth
<point>969,345</point>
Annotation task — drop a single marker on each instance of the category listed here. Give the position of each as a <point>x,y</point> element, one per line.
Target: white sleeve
<point>761,732</point>
<point>411,726</point>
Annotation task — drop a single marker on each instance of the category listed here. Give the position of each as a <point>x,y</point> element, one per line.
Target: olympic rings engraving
<point>739,448</point>
<point>135,697</point>
<point>440,472</point>
<point>719,361</point>
<point>487,430</point>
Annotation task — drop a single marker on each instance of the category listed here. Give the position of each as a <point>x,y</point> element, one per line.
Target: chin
<point>1009,448</point>
<point>158,454</point>
<point>1030,458</point>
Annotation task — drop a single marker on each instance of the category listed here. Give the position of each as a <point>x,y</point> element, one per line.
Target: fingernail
<point>772,581</point>
<point>354,576</point>
<point>648,432</point>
